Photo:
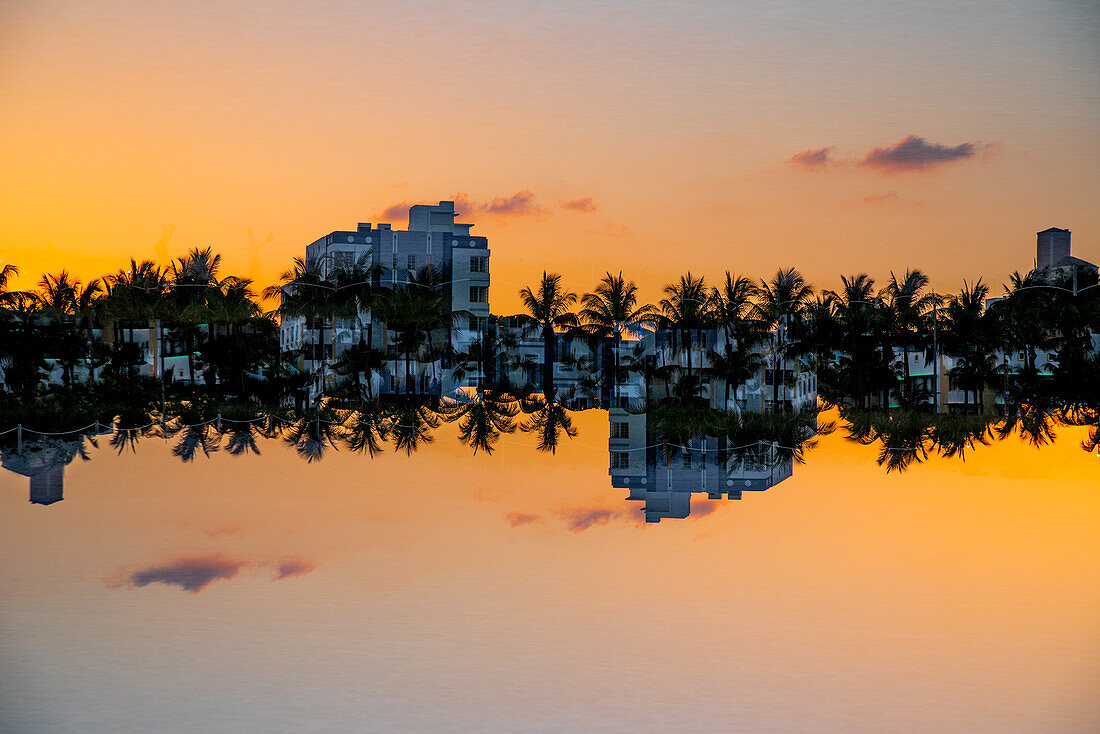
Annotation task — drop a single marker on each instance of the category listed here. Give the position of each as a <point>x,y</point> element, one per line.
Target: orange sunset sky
<point>582,136</point>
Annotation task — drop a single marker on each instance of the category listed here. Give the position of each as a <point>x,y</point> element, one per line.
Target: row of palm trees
<point>858,338</point>
<point>217,322</point>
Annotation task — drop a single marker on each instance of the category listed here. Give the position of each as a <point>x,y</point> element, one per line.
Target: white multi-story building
<point>433,239</point>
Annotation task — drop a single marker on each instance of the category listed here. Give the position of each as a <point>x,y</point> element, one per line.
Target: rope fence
<point>104,428</point>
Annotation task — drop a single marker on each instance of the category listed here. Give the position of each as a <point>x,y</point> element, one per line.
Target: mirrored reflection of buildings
<point>42,460</point>
<point>663,477</point>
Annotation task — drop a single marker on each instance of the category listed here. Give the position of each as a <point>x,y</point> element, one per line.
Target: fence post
<point>19,438</point>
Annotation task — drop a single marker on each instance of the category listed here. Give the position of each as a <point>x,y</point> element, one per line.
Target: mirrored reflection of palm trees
<point>1034,421</point>
<point>548,422</point>
<point>411,426</point>
<point>368,427</point>
<point>902,438</point>
<point>908,437</point>
<point>953,435</point>
<point>312,435</point>
<point>482,419</point>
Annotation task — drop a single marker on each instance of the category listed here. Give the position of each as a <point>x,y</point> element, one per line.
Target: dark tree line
<point>97,338</point>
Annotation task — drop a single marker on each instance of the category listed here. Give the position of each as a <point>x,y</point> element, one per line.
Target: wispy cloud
<point>610,229</point>
<point>876,199</point>
<point>396,212</point>
<point>221,530</point>
<point>195,573</point>
<point>579,519</point>
<point>702,508</point>
<point>814,159</point>
<point>515,519</point>
<point>585,205</point>
<point>190,574</point>
<point>520,204</point>
<point>914,153</point>
<point>291,567</point>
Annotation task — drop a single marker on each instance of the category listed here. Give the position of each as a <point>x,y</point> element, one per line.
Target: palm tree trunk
<point>687,347</point>
<point>615,377</point>
<point>775,378</point>
<point>549,340</point>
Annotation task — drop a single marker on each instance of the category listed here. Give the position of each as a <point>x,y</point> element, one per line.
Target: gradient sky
<point>953,598</point>
<point>147,128</point>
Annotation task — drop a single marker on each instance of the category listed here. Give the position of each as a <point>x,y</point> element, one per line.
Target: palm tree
<point>23,344</point>
<point>303,291</point>
<point>910,305</point>
<point>193,280</point>
<point>134,295</point>
<point>57,296</point>
<point>7,275</point>
<point>89,303</point>
<point>360,360</point>
<point>734,366</point>
<point>782,300</point>
<point>414,312</point>
<point>967,338</point>
<point>733,307</point>
<point>685,312</point>
<point>857,312</point>
<point>549,309</point>
<point>232,305</point>
<point>611,311</point>
<point>357,293</point>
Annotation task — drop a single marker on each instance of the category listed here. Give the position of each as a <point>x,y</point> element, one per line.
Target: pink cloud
<point>585,205</point>
<point>191,574</point>
<point>519,204</point>
<point>396,212</point>
<point>579,519</point>
<point>515,519</point>
<point>814,159</point>
<point>292,567</point>
<point>610,229</point>
<point>914,153</point>
<point>702,508</point>
<point>880,198</point>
